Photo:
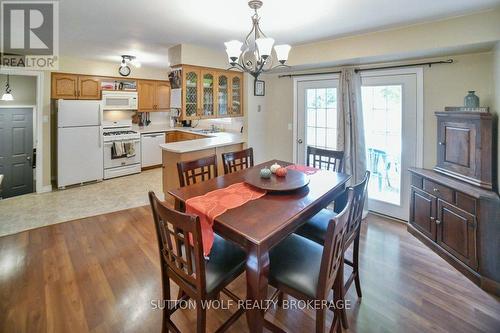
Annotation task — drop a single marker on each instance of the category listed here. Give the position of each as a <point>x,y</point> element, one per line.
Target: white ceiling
<point>104,29</point>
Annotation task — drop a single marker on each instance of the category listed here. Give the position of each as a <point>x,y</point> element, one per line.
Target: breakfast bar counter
<point>187,150</point>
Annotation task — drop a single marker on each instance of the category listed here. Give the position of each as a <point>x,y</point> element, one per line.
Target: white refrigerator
<point>79,142</point>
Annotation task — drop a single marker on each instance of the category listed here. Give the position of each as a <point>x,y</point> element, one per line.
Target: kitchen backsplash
<point>229,124</point>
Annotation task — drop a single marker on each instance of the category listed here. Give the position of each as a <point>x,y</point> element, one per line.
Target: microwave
<point>119,100</point>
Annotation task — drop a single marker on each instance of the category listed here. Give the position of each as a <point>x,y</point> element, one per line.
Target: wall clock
<point>124,70</point>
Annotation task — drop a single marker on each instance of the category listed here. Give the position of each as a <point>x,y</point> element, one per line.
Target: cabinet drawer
<point>466,203</point>
<point>439,190</point>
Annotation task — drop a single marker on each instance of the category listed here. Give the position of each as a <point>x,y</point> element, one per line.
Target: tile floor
<point>37,210</point>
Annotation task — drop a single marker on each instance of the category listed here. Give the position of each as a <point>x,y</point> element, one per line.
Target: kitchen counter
<point>212,140</point>
<point>189,150</point>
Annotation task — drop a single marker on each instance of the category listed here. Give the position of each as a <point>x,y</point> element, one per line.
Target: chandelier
<point>256,56</point>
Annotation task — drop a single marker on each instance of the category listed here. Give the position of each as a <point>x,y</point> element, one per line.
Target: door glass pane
<point>208,94</point>
<point>382,112</point>
<point>191,94</point>
<point>321,117</point>
<point>223,95</point>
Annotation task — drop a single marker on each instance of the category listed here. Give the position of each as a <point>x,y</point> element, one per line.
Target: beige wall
<point>23,89</point>
<point>444,85</point>
<point>80,66</point>
<point>458,32</point>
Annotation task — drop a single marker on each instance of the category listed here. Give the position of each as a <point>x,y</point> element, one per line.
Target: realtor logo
<point>30,34</point>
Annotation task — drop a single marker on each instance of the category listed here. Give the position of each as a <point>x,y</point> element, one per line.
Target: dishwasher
<point>151,154</point>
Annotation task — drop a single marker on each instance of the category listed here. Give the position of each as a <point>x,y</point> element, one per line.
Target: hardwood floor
<point>99,274</point>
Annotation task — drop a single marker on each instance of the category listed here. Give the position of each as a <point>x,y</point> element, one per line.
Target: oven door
<point>121,161</point>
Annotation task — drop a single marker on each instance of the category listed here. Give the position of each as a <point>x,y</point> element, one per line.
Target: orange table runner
<point>215,203</point>
<point>303,168</point>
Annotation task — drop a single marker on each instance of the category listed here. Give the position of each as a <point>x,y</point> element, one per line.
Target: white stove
<point>119,137</point>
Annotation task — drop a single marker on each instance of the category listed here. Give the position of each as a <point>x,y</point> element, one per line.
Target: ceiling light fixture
<point>256,57</point>
<point>7,96</point>
<point>124,69</point>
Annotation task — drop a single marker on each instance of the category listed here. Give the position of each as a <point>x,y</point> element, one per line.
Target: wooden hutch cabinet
<point>458,220</point>
<point>210,93</point>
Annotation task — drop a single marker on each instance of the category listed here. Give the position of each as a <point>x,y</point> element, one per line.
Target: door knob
<point>299,141</point>
<point>28,158</point>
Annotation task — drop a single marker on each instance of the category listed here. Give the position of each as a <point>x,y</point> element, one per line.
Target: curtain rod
<point>449,61</point>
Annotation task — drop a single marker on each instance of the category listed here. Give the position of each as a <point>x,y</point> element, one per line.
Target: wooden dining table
<point>260,224</point>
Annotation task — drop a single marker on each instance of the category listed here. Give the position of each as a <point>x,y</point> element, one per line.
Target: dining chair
<point>201,280</point>
<point>316,229</point>
<point>308,271</point>
<point>238,160</point>
<point>325,159</point>
<point>190,172</point>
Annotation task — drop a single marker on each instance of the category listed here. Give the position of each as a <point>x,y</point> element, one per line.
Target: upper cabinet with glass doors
<point>211,93</point>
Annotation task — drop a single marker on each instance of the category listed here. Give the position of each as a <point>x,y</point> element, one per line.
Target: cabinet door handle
<point>432,219</point>
<point>442,143</point>
<point>435,190</point>
<point>438,222</point>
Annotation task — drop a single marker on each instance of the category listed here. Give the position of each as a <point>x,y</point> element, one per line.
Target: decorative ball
<point>265,173</point>
<point>275,167</point>
<point>281,172</point>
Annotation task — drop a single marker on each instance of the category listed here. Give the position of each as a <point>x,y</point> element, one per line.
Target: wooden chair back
<point>238,160</point>
<point>325,159</point>
<point>360,191</point>
<point>333,248</point>
<point>191,172</point>
<point>180,261</point>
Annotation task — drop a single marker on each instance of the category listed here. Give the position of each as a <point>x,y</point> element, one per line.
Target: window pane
<point>382,112</point>
<point>311,136</point>
<point>321,118</point>
<point>331,139</point>
<point>331,118</point>
<point>311,117</point>
<point>321,98</point>
<point>331,98</point>
<point>311,98</point>
<point>320,137</point>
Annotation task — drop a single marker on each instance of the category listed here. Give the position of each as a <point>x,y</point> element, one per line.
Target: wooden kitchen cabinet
<point>89,87</point>
<point>423,212</point>
<point>153,95</point>
<point>74,86</point>
<point>175,136</point>
<point>236,94</point>
<point>210,93</point>
<point>64,86</point>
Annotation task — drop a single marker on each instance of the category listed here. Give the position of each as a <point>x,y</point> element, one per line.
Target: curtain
<point>351,135</point>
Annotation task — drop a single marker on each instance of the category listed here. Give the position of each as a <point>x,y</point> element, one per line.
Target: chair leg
<point>201,318</point>
<point>180,294</point>
<point>355,261</point>
<point>166,310</point>
<point>339,294</point>
<point>320,320</point>
<point>280,299</point>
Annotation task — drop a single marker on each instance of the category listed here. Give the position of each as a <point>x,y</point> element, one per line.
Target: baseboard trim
<point>45,189</point>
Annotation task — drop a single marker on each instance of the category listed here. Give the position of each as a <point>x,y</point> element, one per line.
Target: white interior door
<point>316,116</point>
<point>391,127</point>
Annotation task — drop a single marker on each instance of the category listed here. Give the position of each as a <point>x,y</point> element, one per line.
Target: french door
<point>391,137</point>
<point>316,115</point>
<point>390,101</point>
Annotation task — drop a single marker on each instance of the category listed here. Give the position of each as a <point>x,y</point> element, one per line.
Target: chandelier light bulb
<point>123,64</point>
<point>233,49</point>
<point>282,52</point>
<point>265,46</point>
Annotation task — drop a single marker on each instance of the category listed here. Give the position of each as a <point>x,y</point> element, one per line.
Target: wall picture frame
<point>259,88</point>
